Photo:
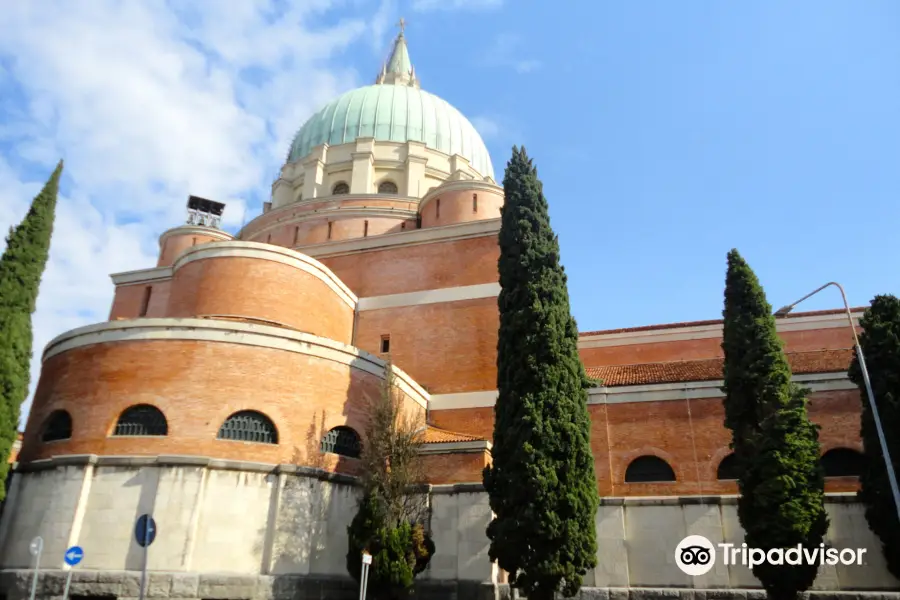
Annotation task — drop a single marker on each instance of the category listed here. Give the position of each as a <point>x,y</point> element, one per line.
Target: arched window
<point>141,419</point>
<point>387,187</point>
<point>728,469</point>
<point>843,462</point>
<point>58,426</point>
<point>249,426</point>
<point>343,441</point>
<point>647,469</point>
<point>340,188</point>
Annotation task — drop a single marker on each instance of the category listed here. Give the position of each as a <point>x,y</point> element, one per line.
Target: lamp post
<point>892,478</point>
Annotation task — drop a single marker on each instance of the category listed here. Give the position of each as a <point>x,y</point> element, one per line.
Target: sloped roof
<point>817,361</point>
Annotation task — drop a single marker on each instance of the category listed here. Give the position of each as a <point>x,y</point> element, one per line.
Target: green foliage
<point>398,553</point>
<point>390,519</point>
<point>21,268</point>
<point>541,485</point>
<point>776,446</point>
<point>362,531</point>
<point>880,343</point>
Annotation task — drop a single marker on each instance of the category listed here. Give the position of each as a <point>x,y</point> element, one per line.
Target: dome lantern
<point>394,109</point>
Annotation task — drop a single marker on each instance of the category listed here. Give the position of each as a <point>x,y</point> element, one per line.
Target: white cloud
<point>149,103</point>
<point>427,5</point>
<point>506,52</point>
<point>487,127</point>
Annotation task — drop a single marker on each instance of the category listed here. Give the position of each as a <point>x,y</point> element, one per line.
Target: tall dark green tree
<point>541,484</point>
<point>776,447</point>
<point>880,342</point>
<point>21,268</point>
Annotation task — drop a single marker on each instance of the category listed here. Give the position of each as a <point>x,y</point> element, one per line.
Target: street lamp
<point>784,310</point>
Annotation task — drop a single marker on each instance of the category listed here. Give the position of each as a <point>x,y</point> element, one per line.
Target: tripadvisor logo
<point>695,555</point>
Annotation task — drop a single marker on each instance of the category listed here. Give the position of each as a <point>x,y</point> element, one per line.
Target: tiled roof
<point>818,361</point>
<point>435,435</point>
<point>814,313</point>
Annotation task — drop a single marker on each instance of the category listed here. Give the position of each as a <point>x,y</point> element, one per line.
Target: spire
<point>398,69</point>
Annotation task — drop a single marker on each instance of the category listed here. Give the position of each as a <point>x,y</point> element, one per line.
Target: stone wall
<point>244,532</point>
<point>218,517</point>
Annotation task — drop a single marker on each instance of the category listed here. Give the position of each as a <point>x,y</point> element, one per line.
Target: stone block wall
<point>239,531</point>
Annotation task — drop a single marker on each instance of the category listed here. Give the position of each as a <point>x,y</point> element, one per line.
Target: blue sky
<point>665,133</point>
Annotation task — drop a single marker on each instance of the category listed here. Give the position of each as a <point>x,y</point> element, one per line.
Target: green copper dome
<point>394,110</point>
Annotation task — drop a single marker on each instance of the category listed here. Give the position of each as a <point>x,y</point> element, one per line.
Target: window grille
<point>343,441</point>
<point>341,188</point>
<point>387,187</point>
<point>646,469</point>
<point>249,426</point>
<point>57,427</point>
<point>142,419</point>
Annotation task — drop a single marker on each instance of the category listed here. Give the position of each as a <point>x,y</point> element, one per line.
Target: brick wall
<point>419,267</point>
<point>128,300</point>
<point>689,435</point>
<point>174,245</point>
<point>197,385</point>
<point>261,289</point>
<point>447,347</point>
<point>648,352</point>
<point>462,467</point>
<point>461,206</point>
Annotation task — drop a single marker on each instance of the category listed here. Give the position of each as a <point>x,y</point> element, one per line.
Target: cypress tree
<point>880,343</point>
<point>21,268</point>
<point>541,485</point>
<point>776,447</point>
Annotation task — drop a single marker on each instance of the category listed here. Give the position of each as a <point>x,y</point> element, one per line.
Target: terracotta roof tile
<point>435,435</point>
<point>833,311</point>
<point>818,361</point>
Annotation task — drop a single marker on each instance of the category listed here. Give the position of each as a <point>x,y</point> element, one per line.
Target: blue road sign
<point>145,530</point>
<point>74,555</point>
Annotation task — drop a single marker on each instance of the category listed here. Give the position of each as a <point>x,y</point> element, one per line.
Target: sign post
<point>364,575</point>
<point>36,548</point>
<point>72,557</point>
<point>144,534</point>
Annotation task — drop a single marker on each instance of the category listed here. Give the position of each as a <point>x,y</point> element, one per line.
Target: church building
<point>225,396</point>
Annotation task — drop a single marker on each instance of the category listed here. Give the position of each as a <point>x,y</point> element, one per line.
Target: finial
<point>402,25</point>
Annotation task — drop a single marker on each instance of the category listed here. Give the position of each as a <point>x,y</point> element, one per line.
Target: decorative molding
<point>657,392</point>
<point>476,446</point>
<point>459,186</point>
<point>713,331</point>
<point>229,332</point>
<point>722,500</point>
<point>451,294</point>
<point>195,230</point>
<point>413,237</point>
<point>272,253</point>
<point>462,400</point>
<point>335,213</point>
<point>142,276</point>
<point>299,205</point>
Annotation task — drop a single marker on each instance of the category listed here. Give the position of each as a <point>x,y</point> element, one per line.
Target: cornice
<point>142,276</point>
<point>232,332</point>
<point>270,252</point>
<point>195,230</point>
<point>412,237</point>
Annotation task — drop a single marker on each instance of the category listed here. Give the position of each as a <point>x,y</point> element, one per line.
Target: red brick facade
<point>432,300</point>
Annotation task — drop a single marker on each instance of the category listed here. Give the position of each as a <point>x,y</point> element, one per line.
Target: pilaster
<point>416,159</point>
<point>314,172</point>
<point>282,192</point>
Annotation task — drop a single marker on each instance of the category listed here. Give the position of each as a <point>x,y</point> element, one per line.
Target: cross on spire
<point>402,25</point>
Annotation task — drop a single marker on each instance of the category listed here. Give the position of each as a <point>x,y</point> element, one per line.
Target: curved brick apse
<point>197,374</point>
<point>263,282</point>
